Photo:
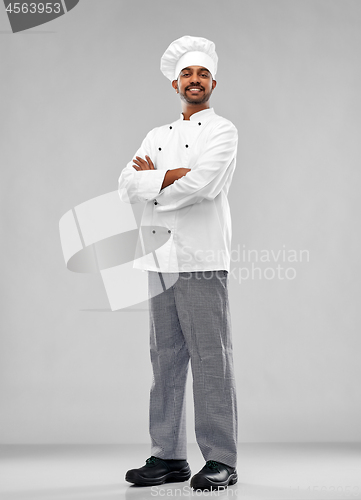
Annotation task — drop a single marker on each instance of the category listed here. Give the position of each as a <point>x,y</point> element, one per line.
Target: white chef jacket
<point>191,217</point>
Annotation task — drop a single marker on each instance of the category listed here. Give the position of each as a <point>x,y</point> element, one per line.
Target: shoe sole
<point>207,484</point>
<point>170,477</point>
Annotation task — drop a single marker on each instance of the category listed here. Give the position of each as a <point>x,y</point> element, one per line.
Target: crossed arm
<point>170,176</point>
<point>212,171</point>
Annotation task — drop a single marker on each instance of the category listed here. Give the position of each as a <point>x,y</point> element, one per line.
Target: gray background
<point>78,96</point>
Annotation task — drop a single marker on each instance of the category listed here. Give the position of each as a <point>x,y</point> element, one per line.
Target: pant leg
<point>170,360</point>
<point>203,311</point>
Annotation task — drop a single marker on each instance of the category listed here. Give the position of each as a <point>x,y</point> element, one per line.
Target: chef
<point>182,172</point>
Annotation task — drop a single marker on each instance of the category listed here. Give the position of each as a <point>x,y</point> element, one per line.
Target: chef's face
<point>194,84</point>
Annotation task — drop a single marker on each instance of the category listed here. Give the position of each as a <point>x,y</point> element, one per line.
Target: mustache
<point>194,87</point>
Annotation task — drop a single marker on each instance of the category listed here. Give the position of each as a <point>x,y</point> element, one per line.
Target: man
<point>183,172</point>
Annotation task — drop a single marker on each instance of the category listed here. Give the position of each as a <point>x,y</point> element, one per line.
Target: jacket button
<point>155,202</point>
<point>171,128</point>
<point>186,145</point>
<point>169,231</point>
<point>160,149</point>
<point>153,231</point>
<point>199,123</point>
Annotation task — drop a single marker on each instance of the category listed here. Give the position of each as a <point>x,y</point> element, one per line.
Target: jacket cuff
<point>150,183</point>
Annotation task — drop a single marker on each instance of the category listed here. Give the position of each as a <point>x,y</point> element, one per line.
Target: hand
<point>181,172</point>
<point>174,175</point>
<point>141,164</point>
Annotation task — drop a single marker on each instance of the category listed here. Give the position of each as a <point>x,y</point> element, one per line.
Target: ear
<point>214,83</point>
<point>175,85</point>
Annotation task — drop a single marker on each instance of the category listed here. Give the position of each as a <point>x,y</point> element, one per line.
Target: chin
<point>196,101</point>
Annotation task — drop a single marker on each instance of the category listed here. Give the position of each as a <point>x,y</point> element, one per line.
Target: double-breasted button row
<point>169,231</point>
<point>170,126</point>
<point>186,145</point>
<point>199,123</point>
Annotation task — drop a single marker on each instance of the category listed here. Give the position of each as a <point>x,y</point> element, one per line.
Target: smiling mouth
<point>194,89</point>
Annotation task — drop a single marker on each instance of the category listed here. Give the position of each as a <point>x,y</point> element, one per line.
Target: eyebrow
<point>201,70</point>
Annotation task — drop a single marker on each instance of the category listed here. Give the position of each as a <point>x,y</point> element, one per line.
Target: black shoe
<point>214,475</point>
<point>159,471</point>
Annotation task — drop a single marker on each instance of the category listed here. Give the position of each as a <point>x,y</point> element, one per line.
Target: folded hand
<point>141,164</point>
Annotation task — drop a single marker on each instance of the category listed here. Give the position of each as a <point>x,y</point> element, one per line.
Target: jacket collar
<point>205,114</point>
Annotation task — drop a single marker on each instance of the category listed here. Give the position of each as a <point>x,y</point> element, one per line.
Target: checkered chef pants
<point>190,320</point>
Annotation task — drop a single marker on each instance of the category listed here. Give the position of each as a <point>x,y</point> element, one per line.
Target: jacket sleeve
<point>208,175</point>
<point>140,186</point>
